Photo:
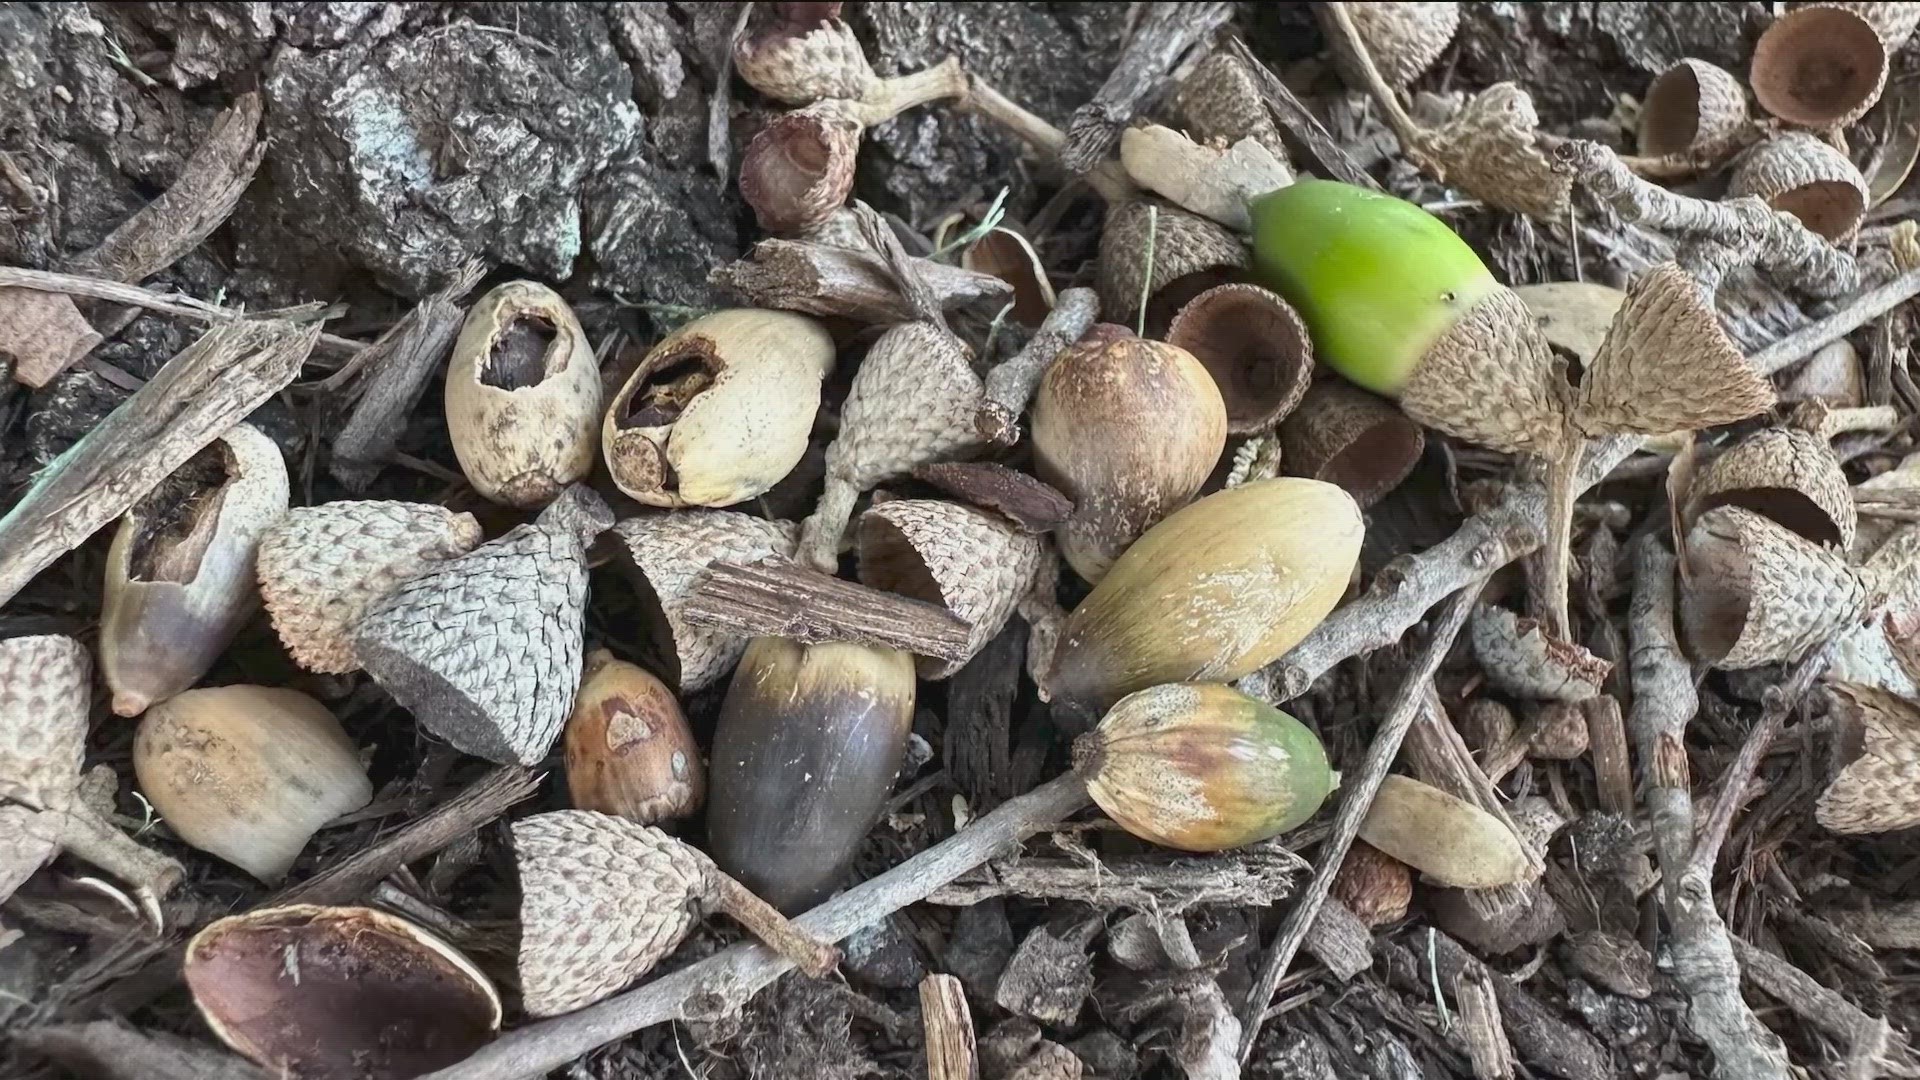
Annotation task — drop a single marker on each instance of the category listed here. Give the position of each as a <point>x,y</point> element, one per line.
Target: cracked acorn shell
<point>1007,255</point>
<point>1693,107</point>
<point>316,993</point>
<point>1803,176</point>
<point>1786,474</point>
<point>1755,593</point>
<point>1217,590</point>
<point>523,395</point>
<point>720,410</point>
<point>44,683</point>
<point>1448,839</point>
<point>1202,767</point>
<point>248,773</point>
<point>628,748</point>
<point>1374,885</point>
<point>320,567</point>
<point>1821,65</point>
<point>180,573</point>
<point>1087,424</point>
<point>1879,789</point>
<point>1190,255</point>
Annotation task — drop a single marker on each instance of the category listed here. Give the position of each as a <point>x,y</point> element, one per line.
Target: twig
<point>185,307</point>
<point>1780,700</point>
<point>1255,876</point>
<point>113,1050</point>
<point>1167,31</point>
<point>1859,311</point>
<point>1607,743</point>
<point>725,981</point>
<point>1873,1049</point>
<point>1107,177</point>
<point>1439,756</point>
<point>787,600</point>
<point>1356,796</point>
<point>820,279</point>
<point>1010,386</point>
<point>1480,1025</point>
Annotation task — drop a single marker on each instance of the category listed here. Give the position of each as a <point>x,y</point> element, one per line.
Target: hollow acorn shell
<point>1202,767</point>
<point>1820,65</point>
<point>628,748</point>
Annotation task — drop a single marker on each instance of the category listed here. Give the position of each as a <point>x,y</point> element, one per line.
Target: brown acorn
<point>1691,108</point>
<point>603,900</point>
<point>629,750</point>
<point>973,563</point>
<point>1787,474</point>
<point>1254,346</point>
<point>1799,174</point>
<point>1879,789</point>
<point>320,567</point>
<point>1088,419</point>
<point>1348,437</point>
<point>1374,885</point>
<point>311,993</point>
<point>1163,256</point>
<point>808,744</point>
<point>1756,593</point>
<point>180,573</point>
<point>523,395</point>
<point>1821,65</point>
<point>1405,39</point>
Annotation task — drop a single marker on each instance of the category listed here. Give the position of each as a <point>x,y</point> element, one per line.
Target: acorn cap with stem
<point>1787,474</point>
<point>799,65</point>
<point>1693,107</point>
<point>1346,436</point>
<point>1879,790</point>
<point>485,649</point>
<point>1256,348</point>
<point>1756,593</point>
<point>1221,100</point>
<point>44,684</point>
<point>797,170</point>
<point>1405,39</point>
<point>1803,176</point>
<point>1188,255</point>
<point>320,567</point>
<point>1819,66</point>
<point>308,991</point>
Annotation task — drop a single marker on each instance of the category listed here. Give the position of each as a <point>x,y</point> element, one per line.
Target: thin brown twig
<point>1780,701</point>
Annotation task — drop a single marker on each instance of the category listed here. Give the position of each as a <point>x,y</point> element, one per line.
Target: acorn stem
<point>1107,178</point>
<point>1412,136</point>
<point>1555,554</point>
<point>87,836</point>
<point>807,952</point>
<point>821,533</point>
<point>891,97</point>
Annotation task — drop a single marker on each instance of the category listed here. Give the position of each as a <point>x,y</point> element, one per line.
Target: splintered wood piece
<point>1034,506</point>
<point>822,279</point>
<point>949,1026</point>
<point>784,599</point>
<point>200,393</point>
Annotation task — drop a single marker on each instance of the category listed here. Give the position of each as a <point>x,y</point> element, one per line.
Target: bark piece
<point>851,283</point>
<point>1340,940</point>
<point>783,599</point>
<point>43,333</point>
<point>1166,31</point>
<point>1050,975</point>
<point>1031,505</point>
<point>1480,1024</point>
<point>949,1029</point>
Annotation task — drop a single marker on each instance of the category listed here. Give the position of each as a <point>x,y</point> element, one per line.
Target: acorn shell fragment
<point>1879,790</point>
<point>1448,839</point>
<point>1803,176</point>
<point>1522,659</point>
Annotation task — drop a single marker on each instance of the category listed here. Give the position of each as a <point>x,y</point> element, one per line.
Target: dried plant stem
<point>1107,178</point>
<point>821,279</point>
<point>1356,797</point>
<point>1010,386</point>
<point>1872,1046</point>
<point>1337,23</point>
<point>1556,554</point>
<point>787,600</point>
<point>185,307</point>
<point>823,530</point>
<point>803,950</point>
<point>82,833</point>
<point>114,1050</point>
<point>896,95</point>
<point>1780,700</point>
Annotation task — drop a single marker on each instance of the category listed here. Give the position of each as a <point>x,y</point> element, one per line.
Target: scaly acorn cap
<point>1803,176</point>
<point>975,564</point>
<point>1666,365</point>
<point>320,567</point>
<point>1492,379</point>
<point>1221,100</point>
<point>1894,22</point>
<point>1405,39</point>
<point>1346,436</point>
<point>1693,107</point>
<point>1489,149</point>
<point>1819,66</point>
<point>1756,593</point>
<point>666,557</point>
<point>1787,474</point>
<point>1521,658</point>
<point>1878,791</point>
<point>797,170</point>
<point>801,65</point>
<point>485,649</point>
<point>44,683</point>
<point>1189,254</point>
<point>523,395</point>
<point>1448,839</point>
<point>1256,348</point>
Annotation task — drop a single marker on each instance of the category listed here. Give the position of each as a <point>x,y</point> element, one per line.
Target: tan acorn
<point>180,573</point>
<point>603,900</point>
<point>666,556</point>
<point>1221,100</point>
<point>1449,840</point>
<point>719,411</point>
<point>1202,767</point>
<point>1693,107</point>
<point>523,395</point>
<point>1162,256</point>
<point>248,773</point>
<point>485,649</point>
<point>1522,658</point>
<point>1254,346</point>
<point>1374,885</point>
<point>1008,256</point>
<point>1786,474</point>
<point>309,992</point>
<point>320,567</point>
<point>1820,66</point>
<point>1213,182</point>
<point>1799,174</point>
<point>1088,418</point>
<point>1350,438</point>
<point>1405,39</point>
<point>629,750</point>
<point>1879,789</point>
<point>1220,588</point>
<point>1756,593</point>
<point>975,564</point>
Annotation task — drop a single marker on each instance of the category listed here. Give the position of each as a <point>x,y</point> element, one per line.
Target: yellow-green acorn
<point>1202,767</point>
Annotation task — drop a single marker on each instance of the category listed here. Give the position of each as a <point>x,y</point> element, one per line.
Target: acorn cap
<point>912,402</point>
<point>1756,593</point>
<point>1256,348</point>
<point>1189,254</point>
<point>1878,791</point>
<point>1492,379</point>
<point>1789,475</point>
<point>1374,885</point>
<point>799,65</point>
<point>666,557</point>
<point>1522,658</point>
<point>1894,22</point>
<point>1819,66</point>
<point>1692,107</point>
<point>320,567</point>
<point>797,170</point>
<point>44,684</point>
<point>1346,436</point>
<point>1490,150</point>
<point>1221,100</point>
<point>1803,176</point>
<point>1405,39</point>
<point>1448,839</point>
<point>1007,255</point>
<point>310,991</point>
<point>485,649</point>
<point>975,564</point>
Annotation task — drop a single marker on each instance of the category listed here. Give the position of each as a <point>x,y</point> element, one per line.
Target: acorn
<point>320,567</point>
<point>805,753</point>
<point>523,395</point>
<point>485,649</point>
<point>666,557</point>
<point>248,773</point>
<point>1755,593</point>
<point>311,993</point>
<point>1216,591</point>
<point>1799,174</point>
<point>180,573</point>
<point>1087,421</point>
<point>1822,65</point>
<point>719,411</point>
<point>1693,107</point>
<point>629,750</point>
<point>603,900</point>
<point>1254,346</point>
<point>1878,790</point>
<point>1008,256</point>
<point>1202,767</point>
<point>1163,256</point>
<point>1404,39</point>
<point>1373,885</point>
<point>1348,437</point>
<point>1448,839</point>
<point>1787,474</point>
